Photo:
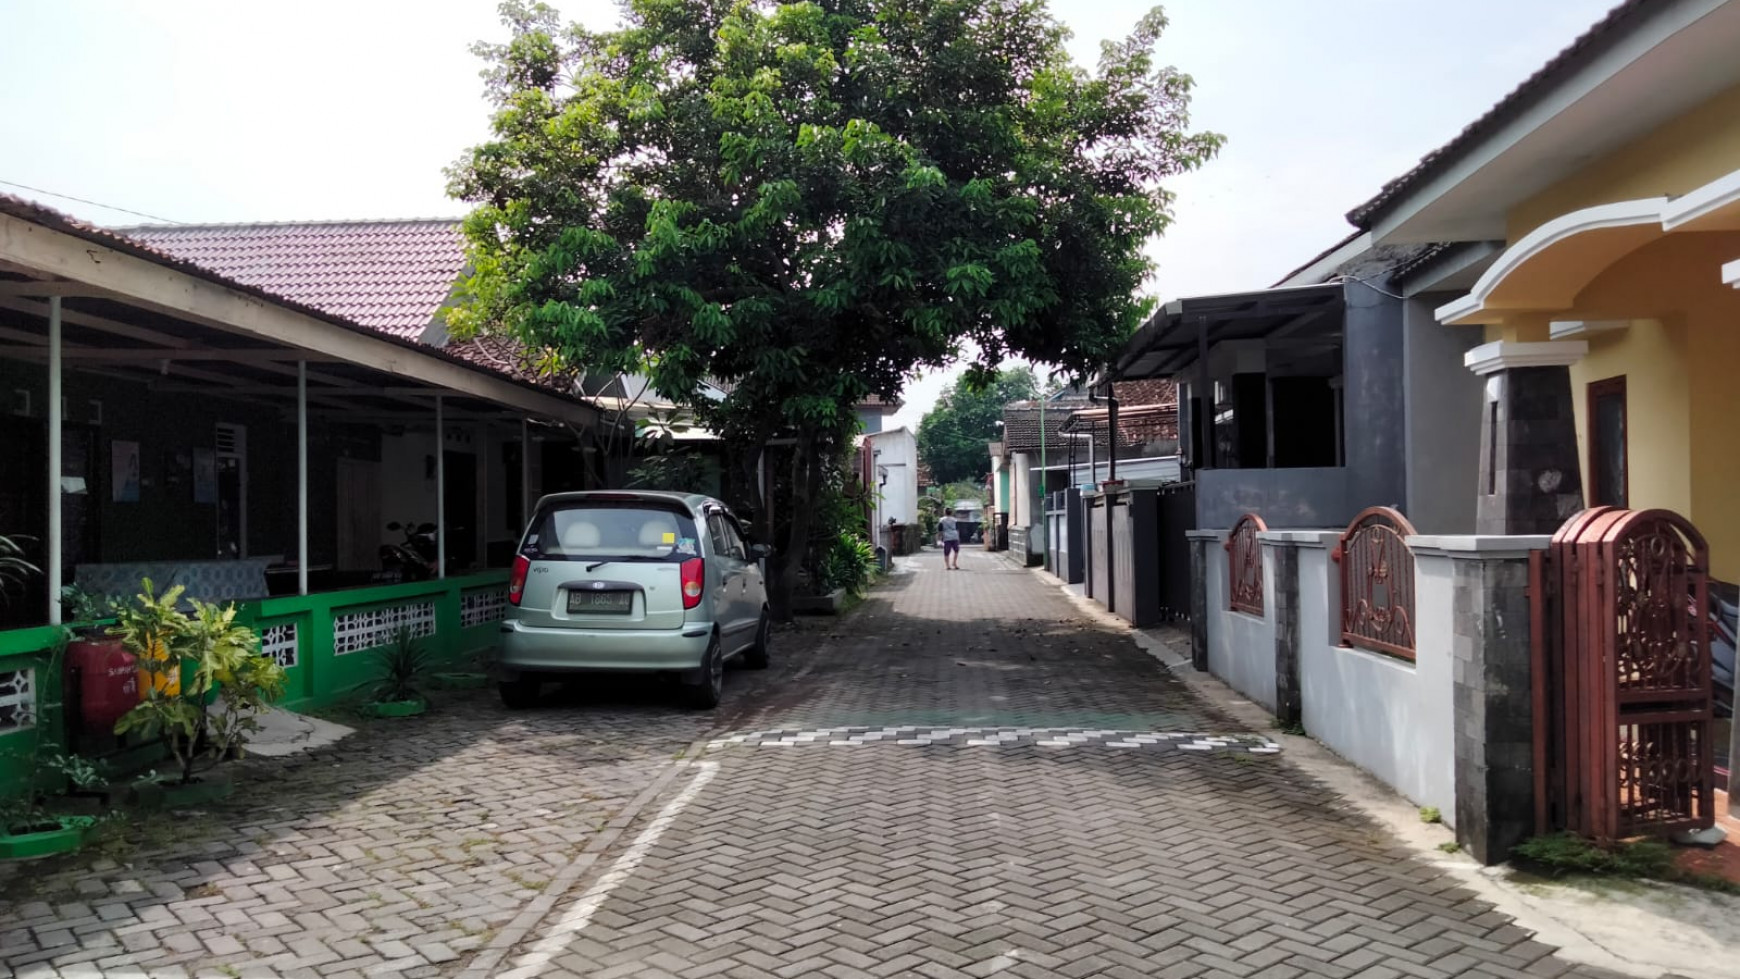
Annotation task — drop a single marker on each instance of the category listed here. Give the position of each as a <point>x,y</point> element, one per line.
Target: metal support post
<point>53,570</point>
<point>302,477</point>
<point>440,491</point>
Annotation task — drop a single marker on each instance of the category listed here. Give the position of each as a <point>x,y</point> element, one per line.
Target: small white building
<point>894,461</point>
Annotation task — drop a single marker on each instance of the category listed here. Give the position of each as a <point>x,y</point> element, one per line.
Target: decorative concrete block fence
<point>1407,655</point>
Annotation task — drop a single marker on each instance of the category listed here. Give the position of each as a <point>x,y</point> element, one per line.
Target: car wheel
<point>705,693</point>
<point>756,656</point>
<point>521,693</point>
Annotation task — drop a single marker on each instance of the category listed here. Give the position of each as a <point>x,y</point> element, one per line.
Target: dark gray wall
<point>1443,405</point>
<point>1373,418</point>
<point>1284,498</point>
<point>166,523</point>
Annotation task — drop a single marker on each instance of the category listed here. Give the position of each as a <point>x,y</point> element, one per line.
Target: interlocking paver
<point>400,848</point>
<point>969,779</point>
<point>1061,807</point>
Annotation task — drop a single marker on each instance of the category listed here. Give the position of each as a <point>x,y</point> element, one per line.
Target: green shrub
<point>1568,853</point>
<point>849,563</point>
<point>402,669</point>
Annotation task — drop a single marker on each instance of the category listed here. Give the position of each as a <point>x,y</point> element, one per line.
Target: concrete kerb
<point>1646,930</point>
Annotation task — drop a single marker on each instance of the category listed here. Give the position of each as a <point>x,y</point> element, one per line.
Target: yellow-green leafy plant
<point>227,656</point>
<point>152,628</point>
<point>223,656</point>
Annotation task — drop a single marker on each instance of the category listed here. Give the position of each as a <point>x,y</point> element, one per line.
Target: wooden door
<point>359,515</point>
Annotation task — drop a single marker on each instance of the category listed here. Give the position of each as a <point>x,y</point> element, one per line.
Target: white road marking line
<point>580,913</point>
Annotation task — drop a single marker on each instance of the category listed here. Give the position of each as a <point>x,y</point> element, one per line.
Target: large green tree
<point>810,201</point>
<point>953,436</point>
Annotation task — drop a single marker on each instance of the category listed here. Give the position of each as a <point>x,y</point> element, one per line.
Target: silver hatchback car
<point>630,581</point>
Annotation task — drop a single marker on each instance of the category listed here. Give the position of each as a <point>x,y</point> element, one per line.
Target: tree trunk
<point>792,539</point>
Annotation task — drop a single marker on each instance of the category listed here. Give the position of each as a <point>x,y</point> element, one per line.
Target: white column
<point>302,477</point>
<point>53,571</point>
<point>440,491</point>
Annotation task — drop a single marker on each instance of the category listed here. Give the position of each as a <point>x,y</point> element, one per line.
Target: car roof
<point>694,501</point>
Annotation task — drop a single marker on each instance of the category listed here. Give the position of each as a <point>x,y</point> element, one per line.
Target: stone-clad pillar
<point>1284,606</point>
<point>1492,695</point>
<point>1199,544</point>
<point>1530,475</point>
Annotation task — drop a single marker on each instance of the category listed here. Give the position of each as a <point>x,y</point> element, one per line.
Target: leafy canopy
<point>811,200</point>
<point>953,436</point>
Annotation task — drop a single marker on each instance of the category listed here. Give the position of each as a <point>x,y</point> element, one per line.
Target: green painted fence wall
<point>336,637</point>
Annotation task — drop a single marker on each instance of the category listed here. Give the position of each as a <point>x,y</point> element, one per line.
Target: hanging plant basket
<point>394,708</point>
<point>57,834</point>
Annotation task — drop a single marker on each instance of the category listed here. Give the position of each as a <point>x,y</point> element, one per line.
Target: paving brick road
<point>397,851</point>
<point>962,779</point>
<point>969,780</point>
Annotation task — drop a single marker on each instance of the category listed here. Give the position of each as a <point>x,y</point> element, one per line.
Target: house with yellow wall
<point>1596,211</point>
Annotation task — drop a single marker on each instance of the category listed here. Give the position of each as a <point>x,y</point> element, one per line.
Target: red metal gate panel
<point>1624,665</point>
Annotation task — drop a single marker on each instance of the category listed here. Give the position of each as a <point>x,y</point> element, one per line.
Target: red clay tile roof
<point>131,244</point>
<point>387,275</point>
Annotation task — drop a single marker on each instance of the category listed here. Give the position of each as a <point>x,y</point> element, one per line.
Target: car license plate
<point>600,602</point>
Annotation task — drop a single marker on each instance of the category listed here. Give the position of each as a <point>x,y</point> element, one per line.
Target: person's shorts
<point>951,546</point>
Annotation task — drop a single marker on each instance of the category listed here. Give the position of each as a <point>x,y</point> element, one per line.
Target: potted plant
<point>28,827</point>
<point>221,662</point>
<point>403,669</point>
<point>107,675</point>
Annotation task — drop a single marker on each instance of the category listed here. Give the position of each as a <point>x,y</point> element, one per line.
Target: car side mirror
<point>759,551</point>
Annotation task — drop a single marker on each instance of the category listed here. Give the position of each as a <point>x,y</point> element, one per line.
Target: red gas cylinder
<point>108,681</point>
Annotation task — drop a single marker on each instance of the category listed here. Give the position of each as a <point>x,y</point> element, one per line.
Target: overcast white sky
<point>217,110</point>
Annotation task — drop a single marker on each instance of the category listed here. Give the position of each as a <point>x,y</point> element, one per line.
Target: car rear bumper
<point>531,649</point>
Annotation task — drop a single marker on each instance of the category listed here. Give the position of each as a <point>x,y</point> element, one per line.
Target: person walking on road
<point>951,538</point>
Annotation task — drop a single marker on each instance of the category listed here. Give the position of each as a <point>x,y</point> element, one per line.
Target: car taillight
<point>517,580</point>
<point>694,581</point>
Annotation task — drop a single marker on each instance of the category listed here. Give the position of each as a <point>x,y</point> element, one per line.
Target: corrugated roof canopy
<point>1173,338</point>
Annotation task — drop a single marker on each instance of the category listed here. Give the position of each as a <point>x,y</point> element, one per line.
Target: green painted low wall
<point>27,684</point>
<point>327,643</point>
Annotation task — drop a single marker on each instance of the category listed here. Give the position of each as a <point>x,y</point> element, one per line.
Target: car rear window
<point>622,532</point>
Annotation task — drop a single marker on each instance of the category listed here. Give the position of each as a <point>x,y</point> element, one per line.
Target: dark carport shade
<point>1170,341</point>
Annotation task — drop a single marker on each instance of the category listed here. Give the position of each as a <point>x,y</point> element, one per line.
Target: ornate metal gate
<point>1622,676</point>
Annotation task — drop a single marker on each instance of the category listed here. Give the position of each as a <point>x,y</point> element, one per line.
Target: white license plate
<point>600,602</point>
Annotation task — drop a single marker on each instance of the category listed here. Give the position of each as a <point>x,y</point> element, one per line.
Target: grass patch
<point>1430,814</point>
<point>1566,853</point>
<point>1297,729</point>
<point>529,883</point>
<point>1450,847</point>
